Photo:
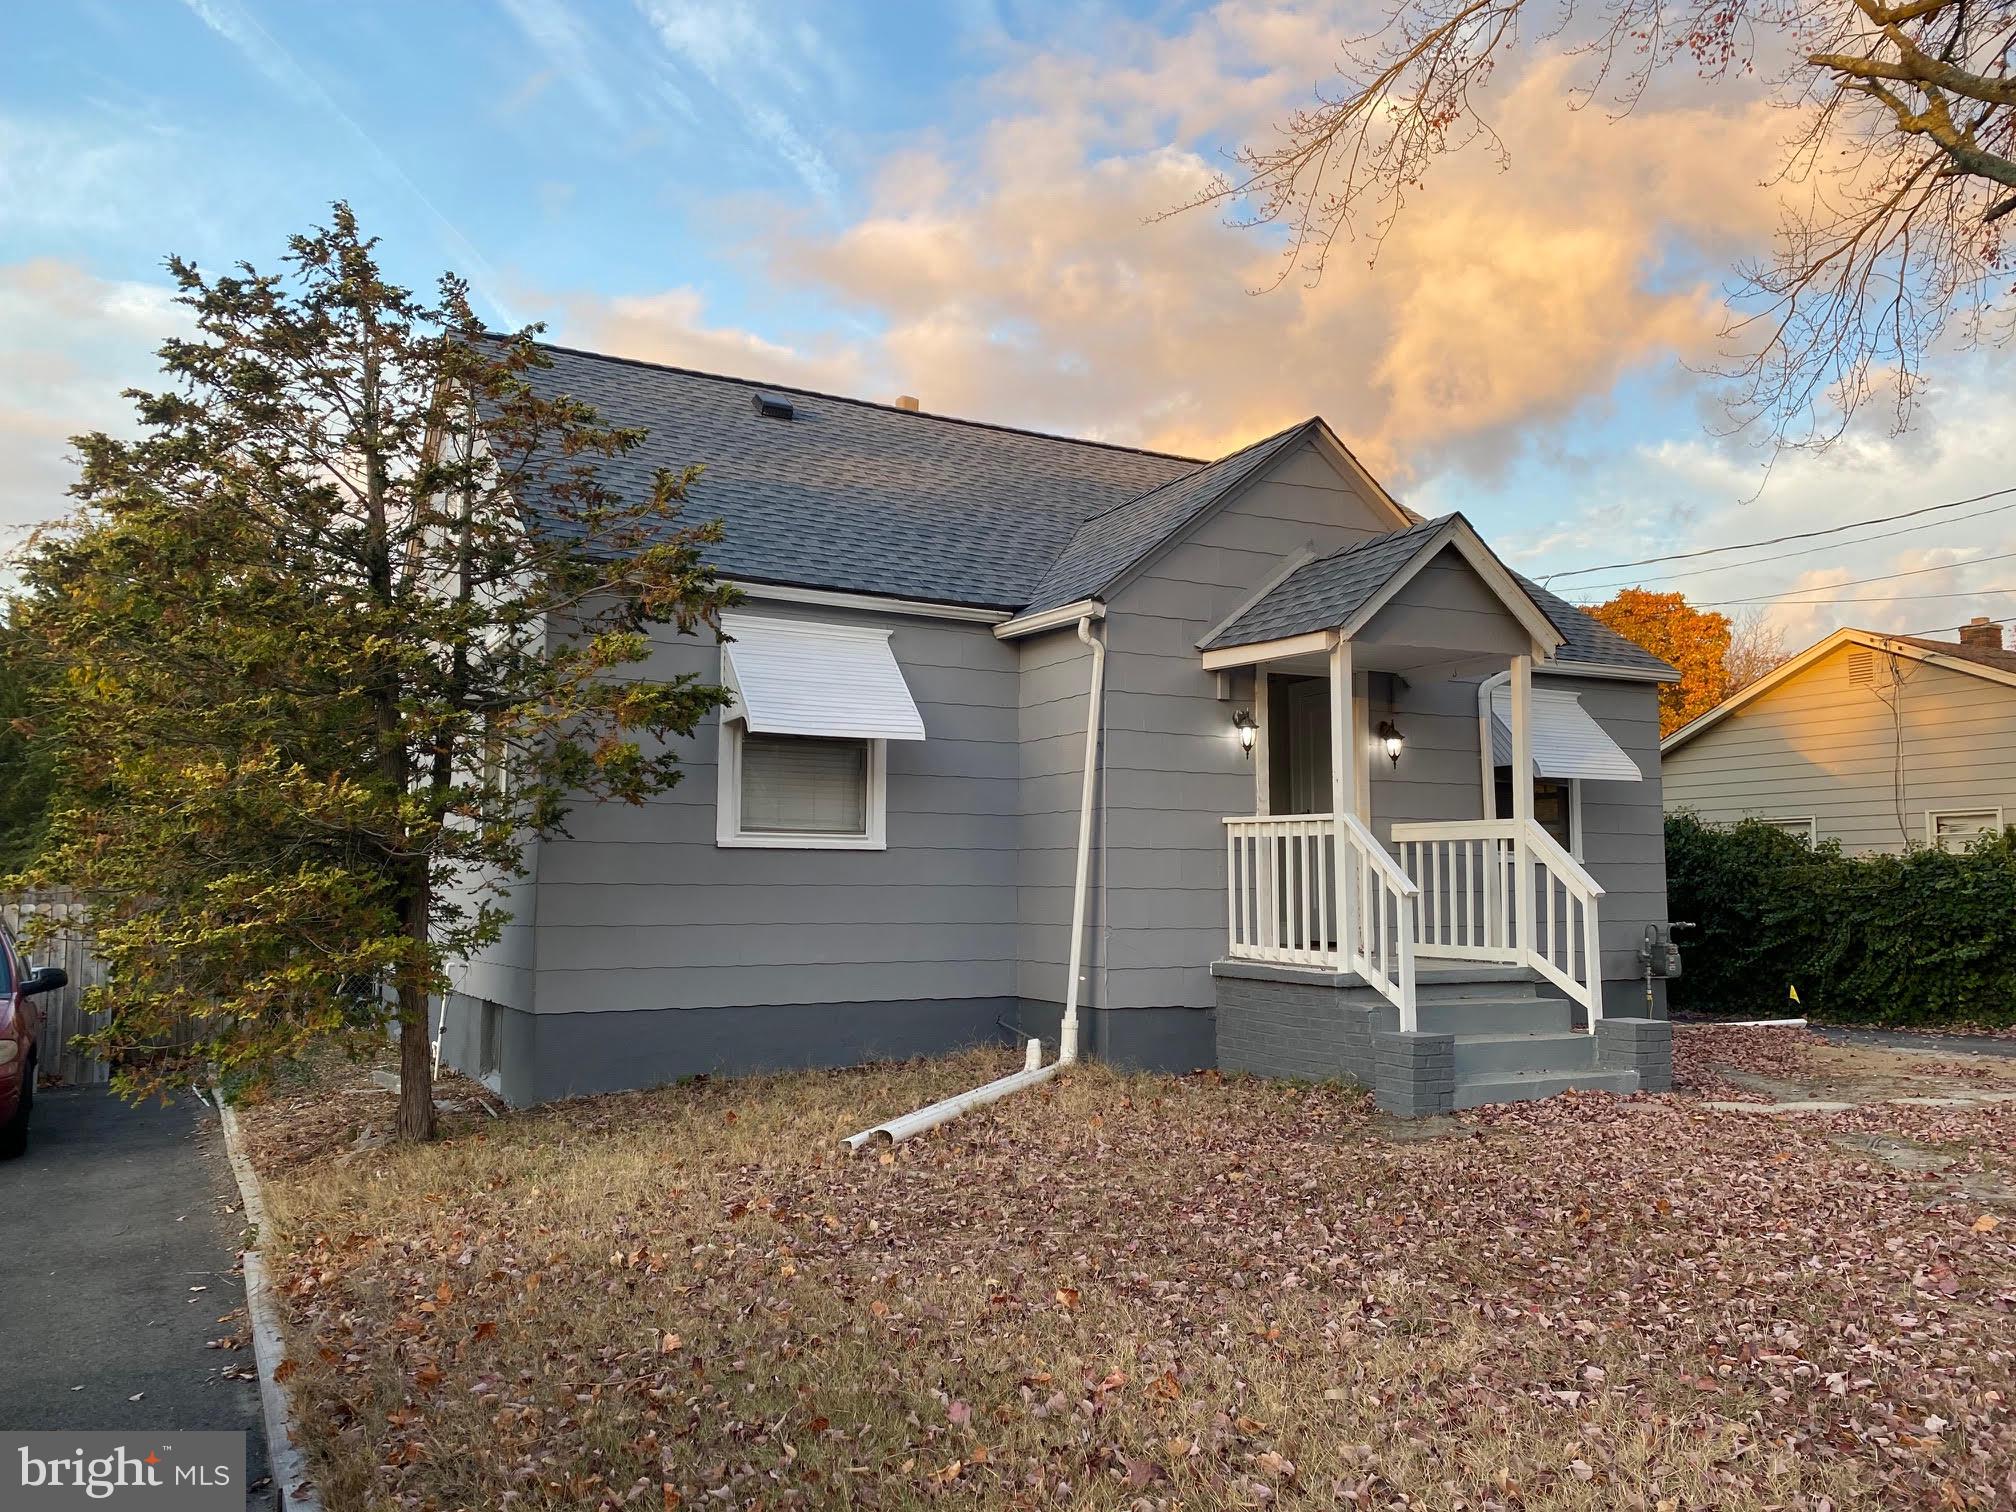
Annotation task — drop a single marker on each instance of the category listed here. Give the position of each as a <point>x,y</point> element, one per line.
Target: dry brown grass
<point>1143,1291</point>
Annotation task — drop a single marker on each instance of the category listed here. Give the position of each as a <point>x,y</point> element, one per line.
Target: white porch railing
<point>1282,876</point>
<point>1472,907</point>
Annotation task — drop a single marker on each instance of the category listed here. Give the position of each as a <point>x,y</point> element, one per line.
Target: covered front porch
<point>1485,908</point>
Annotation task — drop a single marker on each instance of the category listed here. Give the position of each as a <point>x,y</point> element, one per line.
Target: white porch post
<point>1522,799</point>
<point>1343,791</point>
<point>1261,761</point>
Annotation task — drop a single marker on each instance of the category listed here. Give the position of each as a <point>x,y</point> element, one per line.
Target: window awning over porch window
<point>791,677</point>
<point>1567,742</point>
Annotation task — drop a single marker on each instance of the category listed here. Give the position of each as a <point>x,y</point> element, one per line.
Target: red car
<point>19,1026</point>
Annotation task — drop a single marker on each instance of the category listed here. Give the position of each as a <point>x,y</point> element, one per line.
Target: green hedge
<point>1921,938</point>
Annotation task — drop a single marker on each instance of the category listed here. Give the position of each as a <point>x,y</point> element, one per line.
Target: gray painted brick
<point>1416,1074</point>
<point>1638,1044</point>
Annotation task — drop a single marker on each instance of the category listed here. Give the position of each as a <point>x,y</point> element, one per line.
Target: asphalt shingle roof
<point>1104,547</point>
<point>1590,640</point>
<point>1988,656</point>
<point>1323,594</point>
<point>869,498</point>
<point>858,496</point>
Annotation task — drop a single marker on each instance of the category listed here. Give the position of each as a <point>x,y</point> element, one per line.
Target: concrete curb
<point>293,1490</point>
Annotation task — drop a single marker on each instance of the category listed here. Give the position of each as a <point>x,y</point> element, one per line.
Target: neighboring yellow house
<point>1879,741</point>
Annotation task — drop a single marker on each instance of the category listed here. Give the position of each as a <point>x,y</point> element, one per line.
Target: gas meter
<point>1659,954</point>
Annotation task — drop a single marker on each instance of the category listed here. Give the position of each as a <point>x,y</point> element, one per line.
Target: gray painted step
<point>1527,1086</point>
<point>1495,1015</point>
<point>1485,1054</point>
<point>1457,992</point>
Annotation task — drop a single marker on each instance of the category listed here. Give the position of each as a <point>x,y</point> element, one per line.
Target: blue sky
<point>958,200</point>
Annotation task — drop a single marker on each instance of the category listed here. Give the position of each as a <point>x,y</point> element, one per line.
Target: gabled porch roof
<point>1342,591</point>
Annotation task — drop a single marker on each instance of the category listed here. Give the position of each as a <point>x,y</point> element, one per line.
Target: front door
<point>1308,746</point>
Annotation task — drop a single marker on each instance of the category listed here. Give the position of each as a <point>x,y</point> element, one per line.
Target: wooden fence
<point>64,944</point>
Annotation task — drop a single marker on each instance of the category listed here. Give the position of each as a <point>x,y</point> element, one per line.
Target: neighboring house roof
<point>1988,656</point>
<point>870,498</point>
<point>1977,661</point>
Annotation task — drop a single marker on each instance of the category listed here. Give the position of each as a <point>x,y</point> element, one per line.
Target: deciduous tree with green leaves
<point>358,616</point>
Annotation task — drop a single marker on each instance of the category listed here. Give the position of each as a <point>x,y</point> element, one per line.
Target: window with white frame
<point>804,754</point>
<point>1956,829</point>
<point>1804,826</point>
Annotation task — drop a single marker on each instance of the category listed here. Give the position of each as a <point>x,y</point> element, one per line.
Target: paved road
<point>1903,1039</point>
<point>107,1225</point>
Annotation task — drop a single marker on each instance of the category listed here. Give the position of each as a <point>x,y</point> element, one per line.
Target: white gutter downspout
<point>1485,689</point>
<point>1067,1032</point>
<point>1033,1072</point>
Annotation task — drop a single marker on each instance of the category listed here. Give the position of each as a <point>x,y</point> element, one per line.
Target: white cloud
<point>760,66</point>
<point>1702,493</point>
<point>563,41</point>
<point>69,343</point>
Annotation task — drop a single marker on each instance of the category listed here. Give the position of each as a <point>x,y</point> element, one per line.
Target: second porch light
<point>1393,740</point>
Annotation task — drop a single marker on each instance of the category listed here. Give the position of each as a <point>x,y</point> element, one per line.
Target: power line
<point>1884,577</point>
<point>1803,535</point>
<point>1668,577</point>
<point>1894,598</point>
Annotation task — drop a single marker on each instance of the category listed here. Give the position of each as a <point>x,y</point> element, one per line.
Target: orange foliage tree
<point>1694,640</point>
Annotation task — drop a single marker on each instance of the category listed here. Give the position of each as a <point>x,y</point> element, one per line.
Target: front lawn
<point>1133,1291</point>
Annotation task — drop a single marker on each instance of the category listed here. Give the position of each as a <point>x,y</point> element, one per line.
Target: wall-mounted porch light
<point>1243,723</point>
<point>1393,740</point>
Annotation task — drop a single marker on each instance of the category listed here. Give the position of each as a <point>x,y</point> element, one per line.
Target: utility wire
<point>1894,598</point>
<point>1803,535</point>
<point>1884,577</point>
<point>1668,577</point>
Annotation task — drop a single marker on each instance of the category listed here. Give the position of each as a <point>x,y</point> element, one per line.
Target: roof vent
<point>770,407</point>
<point>907,402</point>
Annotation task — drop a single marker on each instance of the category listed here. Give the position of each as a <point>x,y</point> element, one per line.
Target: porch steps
<point>1529,1086</point>
<point>1493,1015</point>
<point>1511,1042</point>
<point>1484,1055</point>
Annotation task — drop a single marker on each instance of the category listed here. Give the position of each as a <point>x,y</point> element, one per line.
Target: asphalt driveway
<point>116,1270</point>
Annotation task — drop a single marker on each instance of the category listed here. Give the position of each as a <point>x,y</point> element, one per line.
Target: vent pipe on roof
<point>907,402</point>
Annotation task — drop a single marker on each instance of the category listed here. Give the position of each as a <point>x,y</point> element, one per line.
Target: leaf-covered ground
<point>1149,1292</point>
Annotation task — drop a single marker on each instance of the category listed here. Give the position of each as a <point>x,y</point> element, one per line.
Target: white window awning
<point>793,677</point>
<point>1567,742</point>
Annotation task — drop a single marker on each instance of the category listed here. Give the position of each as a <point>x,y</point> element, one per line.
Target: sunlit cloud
<point>69,343</point>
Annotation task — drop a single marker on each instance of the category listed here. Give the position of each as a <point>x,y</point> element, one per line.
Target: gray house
<point>1213,761</point>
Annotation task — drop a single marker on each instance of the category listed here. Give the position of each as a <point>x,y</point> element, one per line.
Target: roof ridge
<point>893,409</point>
<point>1200,467</point>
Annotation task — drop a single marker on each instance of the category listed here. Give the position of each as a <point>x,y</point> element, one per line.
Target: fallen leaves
<point>1250,1298</point>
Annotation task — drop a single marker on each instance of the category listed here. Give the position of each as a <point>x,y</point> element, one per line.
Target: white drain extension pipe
<point>1067,1033</point>
<point>1033,1072</point>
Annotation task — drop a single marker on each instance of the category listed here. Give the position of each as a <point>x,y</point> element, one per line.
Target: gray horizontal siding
<point>1174,767</point>
<point>640,910</point>
<point>1818,745</point>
